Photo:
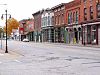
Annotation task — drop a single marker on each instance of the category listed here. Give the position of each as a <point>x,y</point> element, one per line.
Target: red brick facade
<point>59,15</point>
<point>59,22</point>
<point>89,19</point>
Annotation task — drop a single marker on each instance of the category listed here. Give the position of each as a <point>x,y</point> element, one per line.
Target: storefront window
<point>94,34</point>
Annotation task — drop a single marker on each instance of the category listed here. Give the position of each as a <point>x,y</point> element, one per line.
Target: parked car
<point>25,40</point>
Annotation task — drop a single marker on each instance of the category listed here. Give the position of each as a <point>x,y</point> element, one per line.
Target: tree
<point>1,31</point>
<point>11,24</point>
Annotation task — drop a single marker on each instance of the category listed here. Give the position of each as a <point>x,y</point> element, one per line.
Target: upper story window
<point>84,0</point>
<point>56,20</point>
<point>62,18</point>
<point>73,16</point>
<point>85,11</point>
<point>91,9</point>
<point>48,20</point>
<point>91,2</point>
<point>76,16</point>
<point>98,11</point>
<point>98,7</point>
<point>91,12</point>
<point>69,17</point>
<point>85,14</point>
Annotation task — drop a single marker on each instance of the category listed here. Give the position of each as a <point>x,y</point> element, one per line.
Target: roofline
<point>57,6</point>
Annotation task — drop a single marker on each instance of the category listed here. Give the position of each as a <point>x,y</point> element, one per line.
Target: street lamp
<point>6,28</point>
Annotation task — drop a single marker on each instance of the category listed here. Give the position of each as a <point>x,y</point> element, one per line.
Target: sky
<point>23,9</point>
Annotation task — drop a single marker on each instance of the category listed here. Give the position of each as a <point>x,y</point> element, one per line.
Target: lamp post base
<point>6,50</point>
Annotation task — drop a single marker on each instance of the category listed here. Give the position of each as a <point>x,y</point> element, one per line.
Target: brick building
<point>90,21</point>
<point>37,26</point>
<point>59,22</point>
<point>30,26</point>
<point>22,29</point>
<point>73,28</point>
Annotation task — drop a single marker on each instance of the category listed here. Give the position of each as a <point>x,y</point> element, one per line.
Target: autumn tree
<point>11,24</point>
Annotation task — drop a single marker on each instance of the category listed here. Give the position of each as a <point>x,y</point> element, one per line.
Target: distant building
<point>37,26</point>
<point>30,27</point>
<point>15,34</point>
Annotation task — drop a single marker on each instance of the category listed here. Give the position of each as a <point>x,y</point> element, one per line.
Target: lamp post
<point>6,51</point>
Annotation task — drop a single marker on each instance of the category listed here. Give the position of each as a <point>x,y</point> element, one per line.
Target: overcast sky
<point>23,9</point>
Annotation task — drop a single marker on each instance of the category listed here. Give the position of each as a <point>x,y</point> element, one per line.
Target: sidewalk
<point>9,55</point>
<point>79,45</point>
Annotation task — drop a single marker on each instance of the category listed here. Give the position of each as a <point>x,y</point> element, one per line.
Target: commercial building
<point>47,25</point>
<point>59,22</point>
<point>90,21</point>
<point>37,26</point>
<point>73,26</point>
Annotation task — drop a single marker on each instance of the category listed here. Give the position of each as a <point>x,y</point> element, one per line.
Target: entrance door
<point>76,36</point>
<point>88,34</point>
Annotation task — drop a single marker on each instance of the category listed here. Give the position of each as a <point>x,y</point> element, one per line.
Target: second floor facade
<point>47,18</point>
<point>73,12</point>
<point>59,15</point>
<point>37,20</point>
<point>90,10</point>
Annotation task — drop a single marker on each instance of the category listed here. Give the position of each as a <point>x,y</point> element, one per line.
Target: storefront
<point>73,34</point>
<point>59,34</point>
<point>90,33</point>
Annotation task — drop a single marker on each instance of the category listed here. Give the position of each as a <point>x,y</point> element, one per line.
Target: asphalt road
<point>29,58</point>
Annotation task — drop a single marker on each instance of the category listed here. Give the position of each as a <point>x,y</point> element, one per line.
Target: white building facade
<point>47,26</point>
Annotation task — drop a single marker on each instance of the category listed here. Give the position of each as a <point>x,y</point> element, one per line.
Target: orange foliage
<point>11,24</point>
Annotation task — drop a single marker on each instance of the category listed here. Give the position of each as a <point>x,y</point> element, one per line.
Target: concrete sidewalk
<point>9,55</point>
<point>79,45</point>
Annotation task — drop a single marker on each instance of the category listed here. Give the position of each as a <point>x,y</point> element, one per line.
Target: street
<point>29,58</point>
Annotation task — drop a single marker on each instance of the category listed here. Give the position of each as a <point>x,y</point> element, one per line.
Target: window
<point>76,17</point>
<point>48,20</point>
<point>73,16</point>
<point>91,12</point>
<point>59,19</point>
<point>98,7</point>
<point>85,14</point>
<point>98,14</point>
<point>98,11</point>
<point>91,9</point>
<point>85,18</point>
<point>85,11</point>
<point>91,2</point>
<point>68,18</point>
<point>62,18</point>
<point>56,20</point>
<point>84,0</point>
<point>94,33</point>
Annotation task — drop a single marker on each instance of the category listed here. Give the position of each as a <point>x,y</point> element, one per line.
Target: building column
<point>54,34</point>
<point>49,38</point>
